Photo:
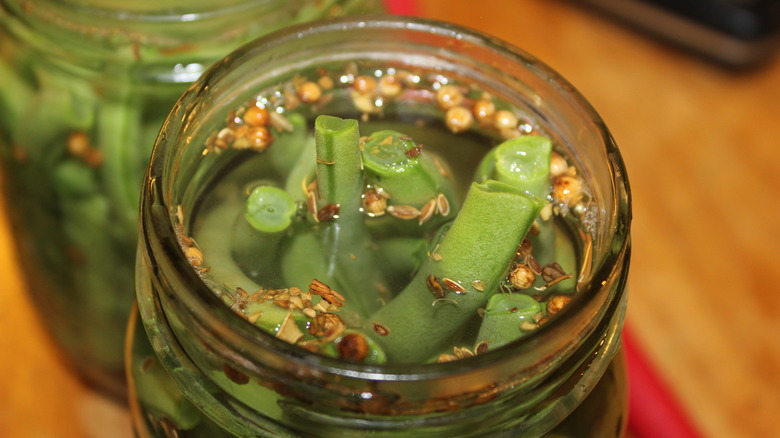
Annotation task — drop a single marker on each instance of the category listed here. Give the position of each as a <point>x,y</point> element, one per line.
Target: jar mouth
<point>247,341</point>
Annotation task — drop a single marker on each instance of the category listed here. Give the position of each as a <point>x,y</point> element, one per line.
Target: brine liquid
<point>237,256</point>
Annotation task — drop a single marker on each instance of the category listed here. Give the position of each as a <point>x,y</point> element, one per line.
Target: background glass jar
<point>85,88</point>
<point>201,369</point>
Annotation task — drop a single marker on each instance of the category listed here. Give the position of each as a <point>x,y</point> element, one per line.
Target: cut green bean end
<point>269,209</point>
<point>525,162</point>
<point>388,152</point>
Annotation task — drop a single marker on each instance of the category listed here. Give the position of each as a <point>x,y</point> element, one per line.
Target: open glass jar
<point>252,320</point>
<point>86,87</point>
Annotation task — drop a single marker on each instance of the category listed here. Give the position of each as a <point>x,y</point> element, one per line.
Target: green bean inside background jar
<point>85,88</point>
<point>384,227</point>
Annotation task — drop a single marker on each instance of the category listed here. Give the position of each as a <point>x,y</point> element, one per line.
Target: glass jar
<point>86,87</point>
<point>198,366</point>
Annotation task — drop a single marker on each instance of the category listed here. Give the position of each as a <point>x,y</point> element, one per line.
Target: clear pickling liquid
<point>241,262</point>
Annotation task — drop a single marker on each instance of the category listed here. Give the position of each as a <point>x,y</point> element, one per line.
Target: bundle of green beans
<point>339,259</point>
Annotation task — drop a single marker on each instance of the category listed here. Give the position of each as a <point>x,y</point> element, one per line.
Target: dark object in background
<point>737,33</point>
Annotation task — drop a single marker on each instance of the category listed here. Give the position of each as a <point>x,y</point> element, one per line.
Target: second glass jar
<point>86,87</point>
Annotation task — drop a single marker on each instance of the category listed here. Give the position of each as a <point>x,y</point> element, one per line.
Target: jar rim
<point>213,313</point>
<point>139,11</point>
<point>146,40</point>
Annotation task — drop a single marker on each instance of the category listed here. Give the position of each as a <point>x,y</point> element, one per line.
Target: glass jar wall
<point>86,87</point>
<point>207,357</point>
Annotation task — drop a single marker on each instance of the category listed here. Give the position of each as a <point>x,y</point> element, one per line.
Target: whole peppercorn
<point>567,189</point>
<point>309,92</point>
<point>390,86</point>
<point>256,116</point>
<point>522,276</point>
<point>364,84</point>
<point>484,109</point>
<point>558,165</point>
<point>448,96</point>
<point>259,137</point>
<point>353,347</point>
<point>505,120</point>
<point>374,202</point>
<point>557,303</point>
<point>459,119</point>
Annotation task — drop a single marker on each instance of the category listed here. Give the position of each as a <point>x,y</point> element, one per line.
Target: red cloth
<point>653,410</point>
<point>401,7</point>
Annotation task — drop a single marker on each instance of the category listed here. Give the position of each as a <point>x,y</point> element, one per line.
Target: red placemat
<point>653,410</point>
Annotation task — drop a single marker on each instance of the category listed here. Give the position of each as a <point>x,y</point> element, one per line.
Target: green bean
<point>303,259</point>
<point>217,249</point>
<point>504,316</point>
<point>255,253</point>
<point>119,120</point>
<point>339,164</point>
<point>399,258</point>
<point>410,180</point>
<point>405,172</point>
<point>345,238</point>
<point>42,130</point>
<point>269,209</point>
<point>461,274</point>
<point>287,147</point>
<point>302,172</point>
<point>523,162</point>
<point>258,234</point>
<point>74,179</point>
<point>15,96</point>
<point>230,276</point>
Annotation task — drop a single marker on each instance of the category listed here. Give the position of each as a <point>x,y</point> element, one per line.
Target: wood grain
<point>700,144</point>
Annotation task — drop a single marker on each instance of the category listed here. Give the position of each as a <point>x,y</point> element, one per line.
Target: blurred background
<point>695,115</point>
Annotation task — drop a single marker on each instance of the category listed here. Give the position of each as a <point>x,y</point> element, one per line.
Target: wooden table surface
<point>700,143</point>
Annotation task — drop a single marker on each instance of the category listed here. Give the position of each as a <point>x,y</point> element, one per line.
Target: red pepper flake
<point>380,329</point>
<point>413,152</point>
<point>435,286</point>
<point>328,212</point>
